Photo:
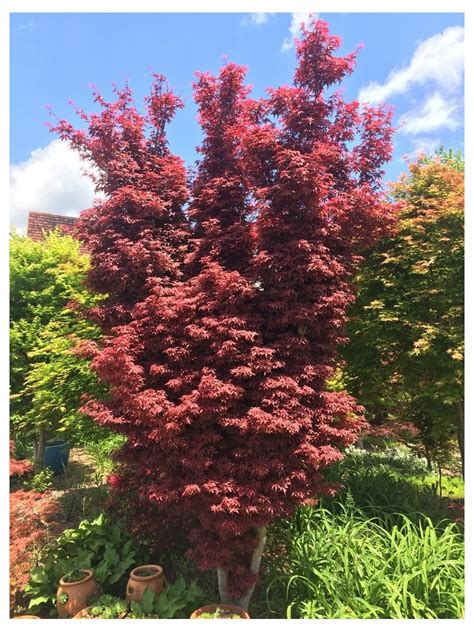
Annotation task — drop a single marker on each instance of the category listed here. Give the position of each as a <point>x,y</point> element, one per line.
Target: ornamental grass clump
<point>349,566</point>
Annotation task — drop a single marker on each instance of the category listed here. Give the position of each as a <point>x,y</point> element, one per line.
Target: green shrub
<point>177,601</point>
<point>100,452</point>
<point>391,481</point>
<point>47,379</point>
<point>393,457</point>
<point>451,486</point>
<point>349,566</point>
<point>99,544</point>
<point>40,482</point>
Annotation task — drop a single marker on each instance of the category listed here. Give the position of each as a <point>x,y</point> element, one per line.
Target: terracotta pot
<point>85,614</point>
<point>223,606</point>
<point>78,594</point>
<point>26,616</point>
<point>137,583</point>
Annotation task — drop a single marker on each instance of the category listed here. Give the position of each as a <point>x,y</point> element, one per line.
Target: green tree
<point>405,356</point>
<point>47,294</point>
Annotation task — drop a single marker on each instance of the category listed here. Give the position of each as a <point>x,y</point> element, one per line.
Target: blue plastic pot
<point>56,456</point>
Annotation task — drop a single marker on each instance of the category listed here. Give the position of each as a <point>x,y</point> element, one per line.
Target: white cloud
<point>29,26</point>
<point>436,112</point>
<point>296,20</point>
<point>257,18</point>
<point>438,60</point>
<point>425,145</point>
<point>51,180</point>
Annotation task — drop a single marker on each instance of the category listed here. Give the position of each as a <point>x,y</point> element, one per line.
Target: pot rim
<point>55,443</point>
<point>224,606</point>
<point>79,615</point>
<point>88,574</point>
<point>141,578</point>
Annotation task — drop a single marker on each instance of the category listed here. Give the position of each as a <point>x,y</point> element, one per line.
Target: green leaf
<point>38,575</point>
<point>148,600</point>
<point>101,572</point>
<point>180,584</point>
<point>111,556</point>
<point>136,608</point>
<point>38,601</point>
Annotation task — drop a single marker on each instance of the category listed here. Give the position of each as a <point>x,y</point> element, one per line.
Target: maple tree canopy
<point>226,304</point>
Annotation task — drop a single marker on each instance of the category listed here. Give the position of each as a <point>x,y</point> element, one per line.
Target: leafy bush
<point>392,457</point>
<point>41,481</point>
<point>178,564</point>
<point>177,601</point>
<point>31,520</point>
<point>390,481</point>
<point>99,544</point>
<point>100,452</point>
<point>47,379</point>
<point>57,379</point>
<point>21,448</point>
<point>451,486</point>
<point>350,566</point>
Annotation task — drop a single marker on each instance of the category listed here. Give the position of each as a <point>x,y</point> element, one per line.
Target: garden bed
<point>347,558</point>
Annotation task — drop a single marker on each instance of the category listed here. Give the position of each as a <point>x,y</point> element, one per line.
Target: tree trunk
<point>39,450</point>
<point>244,601</point>
<point>223,575</point>
<point>223,583</point>
<point>429,458</point>
<point>440,480</point>
<point>460,432</point>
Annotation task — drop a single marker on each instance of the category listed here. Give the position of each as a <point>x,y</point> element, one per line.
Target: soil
<point>147,572</point>
<point>74,577</point>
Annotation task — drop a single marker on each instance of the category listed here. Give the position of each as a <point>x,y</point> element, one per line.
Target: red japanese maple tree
<point>218,373</point>
<point>137,234</point>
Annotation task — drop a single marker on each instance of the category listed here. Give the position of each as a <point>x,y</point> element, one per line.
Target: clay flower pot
<point>26,616</point>
<point>83,614</point>
<point>76,594</point>
<point>141,577</point>
<point>86,614</point>
<point>227,613</point>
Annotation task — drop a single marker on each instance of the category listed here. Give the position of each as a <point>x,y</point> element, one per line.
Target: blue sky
<point>412,61</point>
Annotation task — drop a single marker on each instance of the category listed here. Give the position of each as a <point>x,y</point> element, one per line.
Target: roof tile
<point>41,223</point>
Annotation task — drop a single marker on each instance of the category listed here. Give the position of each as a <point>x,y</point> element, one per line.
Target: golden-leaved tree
<point>405,358</point>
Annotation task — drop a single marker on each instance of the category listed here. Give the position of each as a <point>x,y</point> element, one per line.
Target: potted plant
<point>143,577</point>
<point>220,611</point>
<point>147,608</point>
<point>175,602</point>
<point>74,592</point>
<point>105,607</point>
<point>109,607</point>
